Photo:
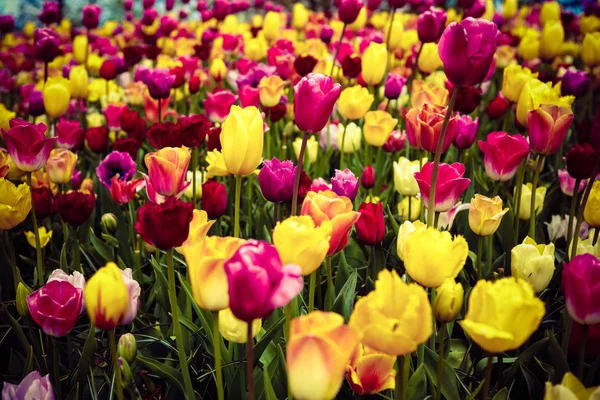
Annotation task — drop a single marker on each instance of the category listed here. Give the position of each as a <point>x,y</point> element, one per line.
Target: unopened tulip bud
<point>367,179</point>
<point>448,301</point>
<point>109,223</point>
<point>127,347</point>
<point>22,293</point>
<point>148,248</point>
<point>126,372</point>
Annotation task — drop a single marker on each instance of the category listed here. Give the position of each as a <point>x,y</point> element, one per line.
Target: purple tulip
<point>466,131</point>
<point>575,82</point>
<point>276,180</point>
<point>36,103</point>
<point>33,386</point>
<point>118,164</point>
<point>430,25</point>
<point>326,34</point>
<point>476,10</point>
<point>159,82</point>
<point>50,13</point>
<point>91,16</point>
<point>46,44</point>
<point>314,98</point>
<point>467,50</point>
<point>394,85</point>
<point>344,183</point>
<point>7,23</point>
<point>146,4</point>
<point>349,9</point>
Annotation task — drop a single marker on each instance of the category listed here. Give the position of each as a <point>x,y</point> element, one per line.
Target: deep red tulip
<point>370,227</point>
<point>214,198</point>
<point>165,225</point>
<point>75,207</point>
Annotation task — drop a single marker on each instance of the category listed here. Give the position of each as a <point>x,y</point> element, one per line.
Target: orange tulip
<point>167,170</point>
<point>426,93</point>
<point>370,372</point>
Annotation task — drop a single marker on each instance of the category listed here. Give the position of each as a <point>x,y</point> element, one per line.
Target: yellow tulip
<point>80,48</point>
<point>395,317</point>
<point>301,243</point>
<point>360,21</point>
<point>505,56</point>
<point>217,69</point>
<point>485,214</point>
<point>405,230</point>
<point>550,12</point>
<point>414,209</point>
<point>370,372</point>
<point>354,102</point>
<point>431,256</point>
<point>56,97</point>
<point>319,347</point>
<point>397,36</point>
<point>200,178</point>
<point>570,388</point>
<point>28,29</point>
<point>106,297</point>
<point>502,314</point>
<point>448,301</point>
<point>5,162</point>
<point>60,165</point>
<point>589,23</point>
<point>514,79</point>
<point>94,120</point>
<point>351,136</point>
<point>533,262</point>
<point>199,228</point>
<point>584,246</point>
<point>271,26</point>
<point>404,179</point>
<point>312,149</point>
<point>5,116</point>
<point>255,49</point>
<point>510,8</point>
<point>591,213</point>
<point>94,62</point>
<point>235,330</point>
<point>45,237</point>
<point>299,16</point>
<point>79,82</point>
<point>378,126</point>
<point>205,261</point>
<point>535,93</point>
<point>216,164</point>
<point>374,62</point>
<point>529,47</point>
<point>242,140</point>
<point>553,36</point>
<point>590,49</point>
<point>270,90</point>
<point>428,93</point>
<point>525,207</point>
<point>429,59</point>
<point>15,203</point>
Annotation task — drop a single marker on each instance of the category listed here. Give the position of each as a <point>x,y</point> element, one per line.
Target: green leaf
<point>173,376</point>
<point>266,338</point>
<point>502,394</point>
<point>344,301</point>
<point>64,265</point>
<point>102,248</point>
<point>557,359</point>
<point>89,348</point>
<point>476,391</point>
<point>417,384</point>
<point>527,357</point>
<point>533,384</point>
<point>28,367</point>
<point>269,392</point>
<point>449,381</point>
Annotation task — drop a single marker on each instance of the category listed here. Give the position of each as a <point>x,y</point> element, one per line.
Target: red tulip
<point>165,225</point>
<point>370,227</point>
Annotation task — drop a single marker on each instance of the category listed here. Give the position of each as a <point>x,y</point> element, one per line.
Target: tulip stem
<point>479,255</point>
<point>517,199</point>
<point>401,378</point>
<point>217,352</point>
<point>238,195</point>
<point>13,262</point>
<point>311,291</point>
<point>487,377</point>
<point>250,362</point>
<point>115,362</point>
<point>298,173</point>
<point>183,365</point>
<point>45,72</point>
<point>337,51</point>
<point>342,147</point>
<point>387,41</point>
<point>38,246</point>
<point>330,289</point>
<point>159,109</point>
<point>194,166</point>
<point>440,362</point>
<point>534,183</point>
<point>490,252</point>
<point>584,200</point>
<point>574,199</point>
<point>581,355</point>
<point>438,156</point>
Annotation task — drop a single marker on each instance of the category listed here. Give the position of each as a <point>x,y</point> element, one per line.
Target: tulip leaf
<point>344,301</point>
<point>533,384</point>
<point>102,248</point>
<point>501,395</point>
<point>172,375</point>
<point>269,392</point>
<point>449,382</point>
<point>74,393</point>
<point>474,394</point>
<point>527,357</point>
<point>264,341</point>
<point>64,265</point>
<point>557,359</point>
<point>86,357</point>
<point>28,367</point>
<point>417,384</point>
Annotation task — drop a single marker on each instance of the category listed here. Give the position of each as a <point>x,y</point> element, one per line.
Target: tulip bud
<point>127,348</point>
<point>448,301</point>
<point>109,223</point>
<point>125,371</point>
<point>22,293</point>
<point>367,179</point>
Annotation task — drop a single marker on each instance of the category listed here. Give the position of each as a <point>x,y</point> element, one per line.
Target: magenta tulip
<point>502,154</point>
<point>28,146</point>
<point>548,126</point>
<point>55,307</point>
<point>217,105</point>
<point>314,98</point>
<point>91,16</point>
<point>430,25</point>
<point>276,180</point>
<point>450,184</point>
<point>159,82</point>
<point>70,134</point>
<point>581,287</point>
<point>345,183</point>
<point>348,10</point>
<point>466,131</point>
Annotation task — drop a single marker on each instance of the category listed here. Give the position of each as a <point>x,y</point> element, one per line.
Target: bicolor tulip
<point>60,165</point>
<point>370,371</point>
<point>166,173</point>
<point>424,127</point>
<point>55,307</point>
<point>235,330</point>
<point>502,154</point>
<point>535,93</point>
<point>270,90</point>
<point>485,214</point>
<point>345,183</point>
<point>218,105</point>
<point>33,386</point>
<point>548,126</point>
<point>28,146</point>
<point>450,184</point>
<point>107,297</point>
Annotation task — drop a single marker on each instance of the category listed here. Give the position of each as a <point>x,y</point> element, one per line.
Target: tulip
<point>301,243</point>
<point>214,198</point>
<point>15,203</point>
<point>448,301</point>
<point>426,93</point>
<point>216,164</point>
<point>497,107</point>
<point>116,164</point>
<point>107,297</point>
<point>580,287</point>
<point>217,69</point>
<point>109,70</point>
<point>55,307</point>
<point>43,202</point>
<point>314,98</point>
<point>509,9</point>
<point>533,263</point>
<point>96,139</point>
<point>159,82</point>
<point>28,147</point>
<point>535,93</point>
<point>45,237</point>
<point>370,227</point>
<point>7,23</point>
<point>349,10</point>
<point>404,176</point>
<point>529,47</point>
<point>328,206</point>
<point>312,148</point>
<point>360,21</point>
<point>198,231</point>
<point>394,330</point>
<point>78,80</point>
<point>374,61</point>
<point>367,179</point>
<point>378,126</point>
<point>570,388</point>
<point>270,90</point>
<point>345,183</point>
<point>550,12</point>
<point>351,66</point>
<point>574,83</point>
<point>218,105</point>
<point>467,50</point>
<point>134,291</point>
<point>166,173</point>
<point>449,186</point>
<point>276,180</point>
<point>430,24</point>
<point>502,314</point>
<point>70,134</point>
<point>299,16</point>
<point>409,208</point>
<point>349,138</point>
<point>205,261</point>
<point>485,214</point>
<point>46,45</point>
<point>514,79</point>
<point>259,282</point>
<point>33,386</point>
<point>552,39</point>
<point>502,154</point>
<point>354,102</point>
<point>424,127</point>
<point>430,266</point>
<point>370,372</point>
<point>165,225</point>
<point>466,131</point>
<point>590,49</point>
<point>127,347</point>
<point>164,134</point>
<point>91,16</point>
<point>548,127</point>
<point>60,165</point>
<point>56,97</point>
<point>271,26</point>
<point>75,207</point>
<point>235,330</point>
<point>394,84</point>
<point>242,140</point>
<point>591,213</point>
<point>525,207</point>
<point>567,184</point>
<point>429,59</point>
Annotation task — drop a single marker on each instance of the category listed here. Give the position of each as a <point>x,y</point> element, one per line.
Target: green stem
<point>438,156</point>
<point>534,183</point>
<point>268,144</point>
<point>581,355</point>
<point>238,195</point>
<point>487,378</point>
<point>337,50</point>
<point>572,214</point>
<point>311,291</point>
<point>250,362</point>
<point>115,361</point>
<point>76,258</point>
<point>409,217</point>
<point>217,349</point>
<point>194,167</point>
<point>249,187</point>
<point>440,362</point>
<point>401,378</point>
<point>479,255</point>
<point>330,289</point>
<point>183,365</point>
<point>342,152</point>
<point>490,252</point>
<point>584,200</point>
<point>298,173</point>
<point>567,335</point>
<point>517,199</point>
<point>159,108</point>
<point>13,262</point>
<point>38,246</point>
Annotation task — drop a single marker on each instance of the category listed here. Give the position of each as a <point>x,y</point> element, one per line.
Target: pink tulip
<point>55,307</point>
<point>502,154</point>
<point>466,131</point>
<point>581,287</point>
<point>27,145</point>
<point>548,126</point>
<point>449,186</point>
<point>314,98</point>
<point>348,10</point>
<point>33,386</point>
<point>430,24</point>
<point>122,192</point>
<point>567,183</point>
<point>113,116</point>
<point>258,282</point>
<point>76,279</point>
<point>218,104</point>
<point>319,185</point>
<point>70,135</point>
<point>249,96</point>
<point>467,50</point>
<point>133,287</point>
